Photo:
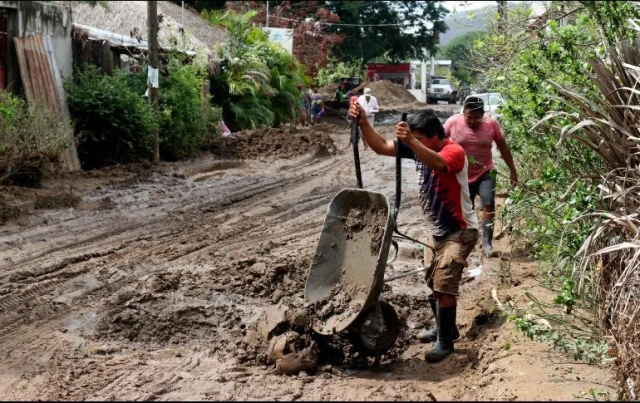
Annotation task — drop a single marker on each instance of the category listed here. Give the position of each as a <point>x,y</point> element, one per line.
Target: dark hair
<point>426,123</point>
<point>473,104</point>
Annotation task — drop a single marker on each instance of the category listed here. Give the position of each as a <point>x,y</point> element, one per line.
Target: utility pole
<point>153,75</point>
<point>267,25</point>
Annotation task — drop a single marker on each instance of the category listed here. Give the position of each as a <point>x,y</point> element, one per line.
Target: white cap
<point>367,91</point>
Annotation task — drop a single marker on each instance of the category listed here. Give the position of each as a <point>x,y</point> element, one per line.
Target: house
<point>18,18</point>
<point>124,24</point>
<point>399,73</point>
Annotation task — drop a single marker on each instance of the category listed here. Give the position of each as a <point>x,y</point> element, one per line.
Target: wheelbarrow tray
<point>347,272</point>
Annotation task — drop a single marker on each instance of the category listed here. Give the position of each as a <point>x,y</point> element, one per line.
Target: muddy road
<point>144,283</point>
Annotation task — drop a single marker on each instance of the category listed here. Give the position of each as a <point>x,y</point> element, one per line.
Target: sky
<point>466,5</point>
<point>452,5</point>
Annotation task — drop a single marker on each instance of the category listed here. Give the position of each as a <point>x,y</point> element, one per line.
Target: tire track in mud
<point>58,273</point>
<point>168,239</point>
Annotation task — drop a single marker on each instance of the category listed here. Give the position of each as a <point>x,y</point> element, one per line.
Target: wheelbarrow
<point>346,276</point>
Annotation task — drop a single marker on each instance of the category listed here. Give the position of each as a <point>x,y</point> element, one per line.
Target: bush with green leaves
<point>114,123</point>
<point>187,120</point>
<point>563,107</point>
<point>31,141</point>
<point>334,71</point>
<point>255,82</point>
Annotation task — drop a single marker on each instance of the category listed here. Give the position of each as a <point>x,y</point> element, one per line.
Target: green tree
<point>460,52</point>
<point>255,82</point>
<point>399,30</point>
<point>200,6</point>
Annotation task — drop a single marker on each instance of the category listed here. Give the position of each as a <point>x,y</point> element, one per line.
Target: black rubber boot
<point>430,335</point>
<point>444,344</point>
<point>487,238</point>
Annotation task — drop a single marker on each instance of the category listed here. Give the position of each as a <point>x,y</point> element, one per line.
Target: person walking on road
<point>441,166</point>
<point>476,132</point>
<point>370,105</point>
<point>317,105</point>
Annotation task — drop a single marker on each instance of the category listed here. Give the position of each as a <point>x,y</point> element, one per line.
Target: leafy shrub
<point>187,121</point>
<point>31,141</point>
<point>113,121</point>
<point>333,72</point>
<point>255,82</point>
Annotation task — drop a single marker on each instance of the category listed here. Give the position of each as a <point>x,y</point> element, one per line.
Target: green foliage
<point>114,123</point>
<point>256,82</point>
<point>398,29</point>
<point>336,70</point>
<point>187,121</point>
<point>31,141</point>
<point>558,174</point>
<point>460,52</point>
<point>582,348</point>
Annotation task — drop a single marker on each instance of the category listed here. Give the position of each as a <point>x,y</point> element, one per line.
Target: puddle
<point>219,169</point>
<point>206,176</point>
<point>216,166</point>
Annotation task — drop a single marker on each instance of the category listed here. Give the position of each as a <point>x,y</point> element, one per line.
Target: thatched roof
<point>123,17</point>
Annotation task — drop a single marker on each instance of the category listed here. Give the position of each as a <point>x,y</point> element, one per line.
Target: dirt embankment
<point>273,143</point>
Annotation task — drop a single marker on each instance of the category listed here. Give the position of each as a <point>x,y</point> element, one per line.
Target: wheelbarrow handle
<point>355,136</point>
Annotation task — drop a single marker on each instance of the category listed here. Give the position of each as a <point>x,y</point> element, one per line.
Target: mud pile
<point>273,143</point>
<point>374,220</point>
<point>390,94</point>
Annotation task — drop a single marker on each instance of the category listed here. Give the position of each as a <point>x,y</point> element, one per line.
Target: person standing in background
<point>476,132</point>
<point>317,105</point>
<point>369,104</point>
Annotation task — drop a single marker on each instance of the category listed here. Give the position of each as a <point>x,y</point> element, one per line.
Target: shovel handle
<point>355,136</point>
<point>397,143</point>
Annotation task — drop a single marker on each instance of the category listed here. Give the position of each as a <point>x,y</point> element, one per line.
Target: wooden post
<point>152,41</point>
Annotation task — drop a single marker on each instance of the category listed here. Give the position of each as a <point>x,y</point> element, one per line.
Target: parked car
<point>441,89</point>
<point>492,102</point>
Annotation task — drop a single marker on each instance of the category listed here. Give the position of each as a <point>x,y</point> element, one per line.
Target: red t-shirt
<point>444,196</point>
<point>477,143</point>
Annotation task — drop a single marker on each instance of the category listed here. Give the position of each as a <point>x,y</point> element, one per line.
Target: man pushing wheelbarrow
<point>441,166</point>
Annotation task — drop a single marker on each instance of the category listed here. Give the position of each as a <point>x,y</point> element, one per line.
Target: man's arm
<point>505,152</point>
<point>428,157</point>
<point>374,107</point>
<point>378,144</point>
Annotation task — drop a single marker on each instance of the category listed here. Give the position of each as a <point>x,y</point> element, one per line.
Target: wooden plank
<point>107,57</point>
<point>24,68</point>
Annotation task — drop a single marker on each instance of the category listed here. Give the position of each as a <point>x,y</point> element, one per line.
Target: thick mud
<point>157,286</point>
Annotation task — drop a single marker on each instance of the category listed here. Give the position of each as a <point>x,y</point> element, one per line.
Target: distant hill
<point>463,21</point>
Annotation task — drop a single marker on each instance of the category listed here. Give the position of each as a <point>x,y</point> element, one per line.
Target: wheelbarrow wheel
<point>370,329</point>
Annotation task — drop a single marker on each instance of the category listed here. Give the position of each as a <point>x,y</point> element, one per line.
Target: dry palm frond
<point>609,125</point>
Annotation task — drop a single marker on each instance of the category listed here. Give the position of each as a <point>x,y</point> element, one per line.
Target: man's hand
<point>403,132</point>
<point>514,178</point>
<point>356,111</point>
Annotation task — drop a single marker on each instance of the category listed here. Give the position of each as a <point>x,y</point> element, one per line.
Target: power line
<point>343,25</point>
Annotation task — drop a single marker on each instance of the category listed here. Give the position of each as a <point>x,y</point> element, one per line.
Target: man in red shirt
<point>476,132</point>
<point>441,165</point>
